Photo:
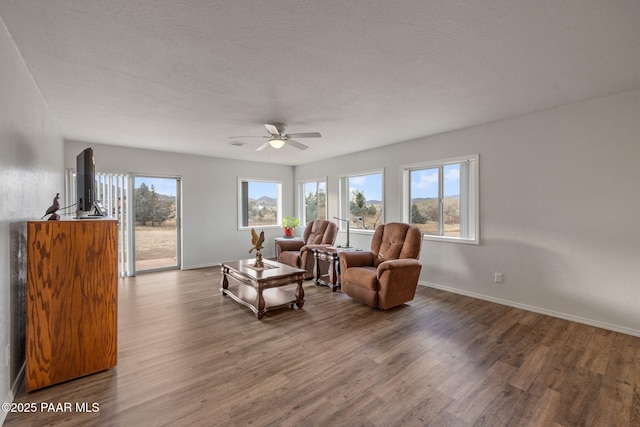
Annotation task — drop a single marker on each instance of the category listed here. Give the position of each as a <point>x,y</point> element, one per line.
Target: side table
<point>330,255</point>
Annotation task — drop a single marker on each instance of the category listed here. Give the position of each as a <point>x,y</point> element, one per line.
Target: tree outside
<point>366,216</point>
<point>151,208</point>
<point>425,213</point>
<point>315,205</point>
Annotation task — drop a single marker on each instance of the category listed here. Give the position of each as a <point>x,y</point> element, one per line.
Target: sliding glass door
<point>157,223</point>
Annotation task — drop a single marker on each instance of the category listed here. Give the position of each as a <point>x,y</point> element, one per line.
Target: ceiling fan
<point>277,138</point>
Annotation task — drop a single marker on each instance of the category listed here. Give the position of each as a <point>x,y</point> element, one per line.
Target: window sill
<point>261,227</point>
<point>451,239</point>
<point>359,231</point>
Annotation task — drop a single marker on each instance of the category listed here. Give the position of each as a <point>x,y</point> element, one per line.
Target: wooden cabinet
<point>72,300</point>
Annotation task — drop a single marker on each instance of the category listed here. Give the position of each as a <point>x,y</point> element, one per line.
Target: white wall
<point>31,165</point>
<point>559,210</point>
<point>209,196</point>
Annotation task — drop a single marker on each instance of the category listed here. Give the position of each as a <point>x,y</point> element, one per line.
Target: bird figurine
<point>257,241</point>
<point>53,209</point>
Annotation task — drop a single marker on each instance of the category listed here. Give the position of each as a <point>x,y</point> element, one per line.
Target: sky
<point>424,182</point>
<point>258,189</point>
<point>165,186</point>
<point>370,185</point>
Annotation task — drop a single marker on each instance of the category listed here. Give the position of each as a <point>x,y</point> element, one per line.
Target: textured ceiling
<point>185,75</point>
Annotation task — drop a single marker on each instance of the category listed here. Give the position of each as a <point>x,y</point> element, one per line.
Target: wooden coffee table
<point>274,285</point>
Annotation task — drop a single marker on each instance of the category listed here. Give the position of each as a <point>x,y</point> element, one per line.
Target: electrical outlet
<point>499,278</point>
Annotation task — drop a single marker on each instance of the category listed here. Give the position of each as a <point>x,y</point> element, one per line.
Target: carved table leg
<point>300,295</point>
<point>316,267</point>
<point>334,272</point>
<point>260,304</point>
<point>225,280</point>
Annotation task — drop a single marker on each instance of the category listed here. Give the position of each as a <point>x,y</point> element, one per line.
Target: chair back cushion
<point>396,240</point>
<point>320,232</point>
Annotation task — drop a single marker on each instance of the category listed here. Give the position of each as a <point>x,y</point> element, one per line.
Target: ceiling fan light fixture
<point>276,142</point>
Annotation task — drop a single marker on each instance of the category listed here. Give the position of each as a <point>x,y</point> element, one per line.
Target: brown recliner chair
<point>387,275</point>
<point>298,253</point>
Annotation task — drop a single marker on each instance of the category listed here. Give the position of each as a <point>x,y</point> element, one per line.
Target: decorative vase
<point>289,232</point>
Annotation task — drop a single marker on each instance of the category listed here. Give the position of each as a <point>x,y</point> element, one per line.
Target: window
<point>361,200</point>
<point>441,198</point>
<point>313,195</point>
<point>259,203</point>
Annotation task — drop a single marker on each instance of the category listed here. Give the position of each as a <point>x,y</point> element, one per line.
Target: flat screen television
<point>85,182</point>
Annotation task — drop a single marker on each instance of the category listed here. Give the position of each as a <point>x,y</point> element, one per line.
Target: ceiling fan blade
<point>248,136</point>
<point>304,135</point>
<point>272,129</point>
<point>295,144</point>
<point>263,146</point>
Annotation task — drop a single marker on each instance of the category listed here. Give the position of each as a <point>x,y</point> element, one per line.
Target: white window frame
<point>302,196</point>
<point>469,197</point>
<point>241,225</point>
<point>345,198</point>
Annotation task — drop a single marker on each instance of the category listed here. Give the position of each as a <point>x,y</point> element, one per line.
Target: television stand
<point>72,300</point>
<point>97,211</point>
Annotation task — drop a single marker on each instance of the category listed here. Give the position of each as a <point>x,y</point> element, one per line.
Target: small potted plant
<point>289,223</point>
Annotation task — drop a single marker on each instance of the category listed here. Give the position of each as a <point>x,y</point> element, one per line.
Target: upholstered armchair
<point>296,253</point>
<point>387,275</point>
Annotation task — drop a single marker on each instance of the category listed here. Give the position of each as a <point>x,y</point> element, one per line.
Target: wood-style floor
<point>188,356</point>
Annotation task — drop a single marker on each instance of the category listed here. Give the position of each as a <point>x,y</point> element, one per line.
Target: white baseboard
<point>18,380</point>
<point>12,393</point>
<point>560,315</point>
<point>8,399</point>
<point>194,267</point>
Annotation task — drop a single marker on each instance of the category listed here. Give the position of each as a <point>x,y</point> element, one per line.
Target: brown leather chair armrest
<point>289,245</point>
<point>398,264</point>
<point>355,259</point>
<point>397,281</point>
